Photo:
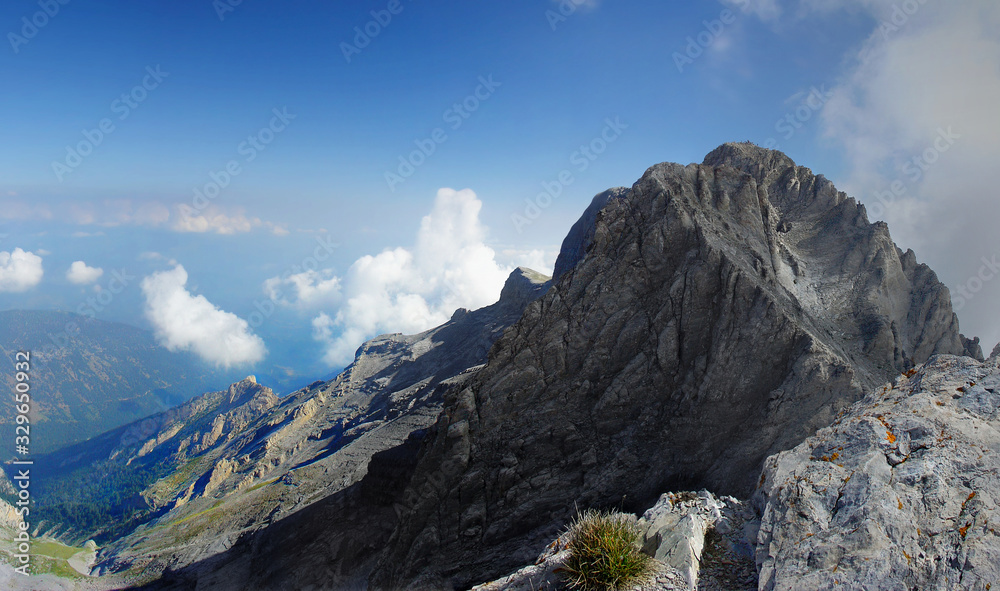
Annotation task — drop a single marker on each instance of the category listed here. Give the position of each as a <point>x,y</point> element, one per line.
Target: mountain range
<point>89,376</point>
<point>736,327</point>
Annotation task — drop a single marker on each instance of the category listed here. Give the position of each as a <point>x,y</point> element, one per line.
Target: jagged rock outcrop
<point>721,313</point>
<point>973,348</point>
<point>900,493</point>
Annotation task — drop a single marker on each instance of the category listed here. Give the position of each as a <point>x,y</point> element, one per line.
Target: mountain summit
<point>719,313</point>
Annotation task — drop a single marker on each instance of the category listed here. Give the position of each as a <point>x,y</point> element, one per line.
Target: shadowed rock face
<point>715,314</point>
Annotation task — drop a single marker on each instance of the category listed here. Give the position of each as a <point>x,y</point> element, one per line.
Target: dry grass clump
<point>605,554</point>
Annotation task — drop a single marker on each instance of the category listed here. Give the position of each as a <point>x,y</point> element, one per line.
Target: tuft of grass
<point>604,553</point>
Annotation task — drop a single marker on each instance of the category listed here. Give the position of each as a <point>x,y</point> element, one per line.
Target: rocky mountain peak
<point>522,286</point>
<point>248,389</point>
<point>749,158</point>
<point>701,321</point>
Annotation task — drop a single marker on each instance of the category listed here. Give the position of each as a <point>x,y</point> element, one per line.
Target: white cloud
<point>191,323</point>
<point>215,220</point>
<point>212,220</point>
<point>412,289</point>
<point>19,270</point>
<point>80,274</point>
<point>309,289</point>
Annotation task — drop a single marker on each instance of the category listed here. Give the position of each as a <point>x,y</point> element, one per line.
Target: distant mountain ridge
<point>155,491</point>
<point>89,376</point>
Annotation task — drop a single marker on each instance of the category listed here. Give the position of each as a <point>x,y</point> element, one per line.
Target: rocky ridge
<point>227,465</point>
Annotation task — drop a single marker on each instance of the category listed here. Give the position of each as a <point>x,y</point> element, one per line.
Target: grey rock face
<point>722,313</point>
<point>900,493</point>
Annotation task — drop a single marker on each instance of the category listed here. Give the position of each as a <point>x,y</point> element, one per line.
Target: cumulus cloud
<point>19,270</point>
<point>186,322</point>
<point>916,115</point>
<point>412,289</point>
<point>305,290</point>
<point>80,274</point>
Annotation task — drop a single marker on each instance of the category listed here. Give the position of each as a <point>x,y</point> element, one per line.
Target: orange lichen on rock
<point>964,530</point>
<point>966,501</point>
<point>888,429</point>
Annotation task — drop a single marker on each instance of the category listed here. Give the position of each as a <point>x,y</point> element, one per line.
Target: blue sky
<point>309,137</point>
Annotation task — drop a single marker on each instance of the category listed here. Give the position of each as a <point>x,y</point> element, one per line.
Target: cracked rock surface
<point>900,493</point>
